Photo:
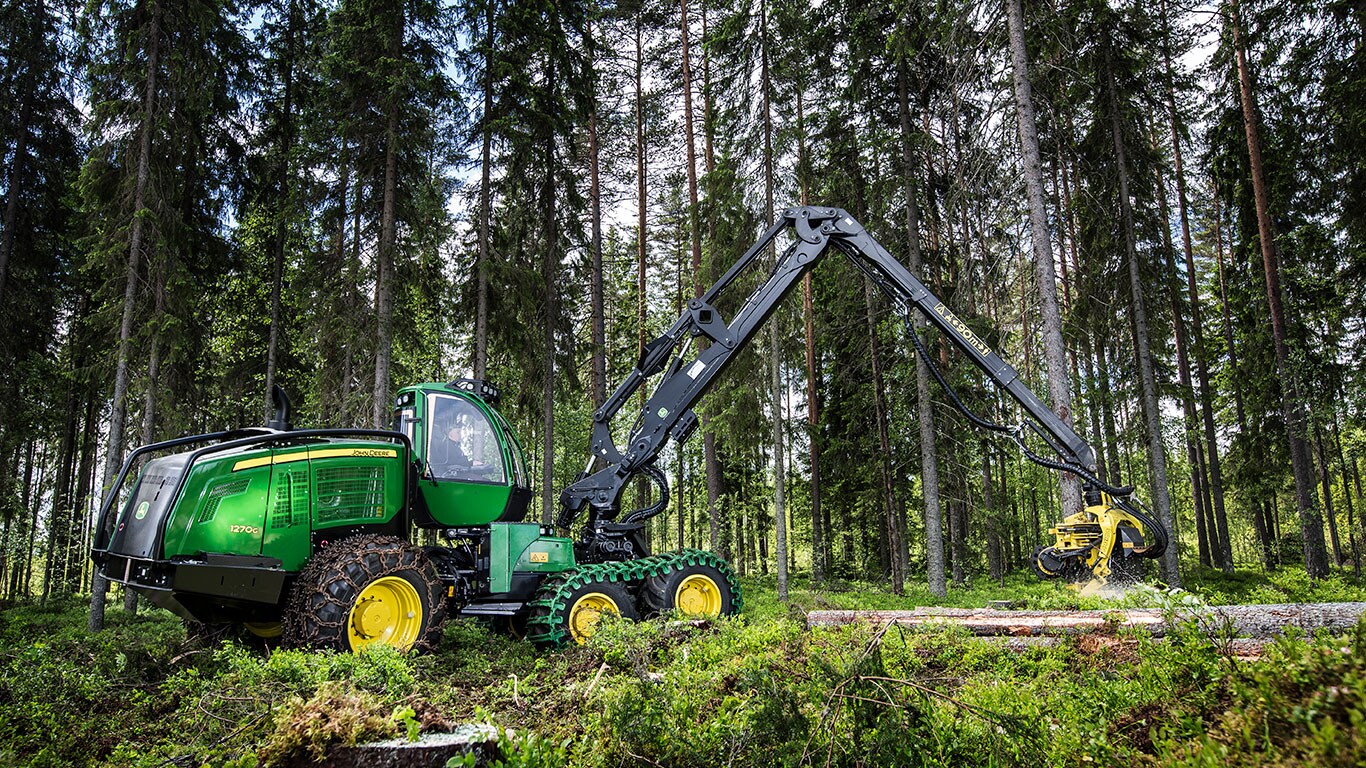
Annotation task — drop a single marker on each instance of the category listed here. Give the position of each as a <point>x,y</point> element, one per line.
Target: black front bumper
<point>205,588</point>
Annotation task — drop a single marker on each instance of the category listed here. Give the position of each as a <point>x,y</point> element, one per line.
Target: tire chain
<point>545,625</point>
<point>316,616</point>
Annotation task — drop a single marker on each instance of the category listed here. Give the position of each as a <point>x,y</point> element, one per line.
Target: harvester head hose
<point>1016,431</point>
<point>948,390</point>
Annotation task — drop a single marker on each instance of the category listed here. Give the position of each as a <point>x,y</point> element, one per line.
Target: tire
<point>366,590</point>
<point>563,613</point>
<point>695,591</point>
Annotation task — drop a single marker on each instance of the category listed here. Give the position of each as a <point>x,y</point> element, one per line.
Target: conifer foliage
<point>1155,213</point>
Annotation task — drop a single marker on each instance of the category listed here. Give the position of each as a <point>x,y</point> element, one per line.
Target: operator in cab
<point>448,456</point>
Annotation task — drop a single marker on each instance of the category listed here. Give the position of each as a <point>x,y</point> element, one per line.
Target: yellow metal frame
<point>1096,529</point>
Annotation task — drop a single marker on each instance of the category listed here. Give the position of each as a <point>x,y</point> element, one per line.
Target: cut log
<point>1257,621</point>
<point>433,749</point>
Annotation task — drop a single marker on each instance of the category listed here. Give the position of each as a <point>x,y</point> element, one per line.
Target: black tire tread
<point>322,597</point>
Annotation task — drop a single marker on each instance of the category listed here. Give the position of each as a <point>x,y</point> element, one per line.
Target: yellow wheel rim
<point>388,611</point>
<point>587,613</point>
<point>264,629</point>
<point>698,595</point>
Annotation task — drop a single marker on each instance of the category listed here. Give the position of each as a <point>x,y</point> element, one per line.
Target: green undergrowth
<point>757,690</point>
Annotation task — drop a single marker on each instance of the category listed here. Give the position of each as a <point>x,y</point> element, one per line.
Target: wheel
<point>363,591</point>
<point>571,609</point>
<point>698,590</point>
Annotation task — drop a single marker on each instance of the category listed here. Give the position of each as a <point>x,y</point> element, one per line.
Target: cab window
<point>462,444</point>
<point>518,468</point>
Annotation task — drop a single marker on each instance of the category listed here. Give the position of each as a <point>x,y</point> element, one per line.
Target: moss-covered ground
<point>756,690</point>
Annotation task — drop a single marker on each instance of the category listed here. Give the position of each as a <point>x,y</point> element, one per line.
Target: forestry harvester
<point>308,534</point>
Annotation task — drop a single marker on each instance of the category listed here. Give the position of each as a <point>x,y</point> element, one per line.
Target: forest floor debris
<point>761,689</point>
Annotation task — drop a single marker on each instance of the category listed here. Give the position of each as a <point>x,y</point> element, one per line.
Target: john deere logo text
<point>961,329</point>
<point>142,510</point>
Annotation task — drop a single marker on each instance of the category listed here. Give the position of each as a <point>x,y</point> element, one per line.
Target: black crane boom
<point>815,232</point>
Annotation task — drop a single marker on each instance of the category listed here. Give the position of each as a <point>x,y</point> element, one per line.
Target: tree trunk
<point>774,359</point>
<point>86,475</point>
<point>641,210</point>
<point>1262,522</point>
<point>281,209</point>
<point>994,565</point>
<point>888,500</point>
<point>598,376</point>
<point>708,110</point>
<point>342,285</point>
<point>1244,620</point>
<point>6,564</point>
<point>1228,319</point>
<point>818,538</point>
<point>59,517</point>
<point>119,410</point>
<point>1326,480</point>
<point>1292,406</point>
<point>713,467</point>
<point>1055,353</point>
<point>31,503</point>
<point>1347,499</point>
<point>1206,537</point>
<point>1107,412</point>
<point>481,312</point>
<point>929,471</point>
<point>1214,476</point>
<point>14,184</point>
<point>386,256</point>
<point>1157,457</point>
<point>149,403</point>
<point>550,260</point>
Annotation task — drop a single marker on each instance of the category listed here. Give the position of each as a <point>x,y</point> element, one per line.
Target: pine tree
<point>1292,407</point>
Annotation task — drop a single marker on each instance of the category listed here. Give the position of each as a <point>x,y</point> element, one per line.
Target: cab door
<point>466,479</point>
<point>289,507</point>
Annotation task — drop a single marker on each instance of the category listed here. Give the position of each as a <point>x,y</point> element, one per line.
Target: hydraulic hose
<point>943,384</point>
<point>1122,494</point>
<point>661,482</point>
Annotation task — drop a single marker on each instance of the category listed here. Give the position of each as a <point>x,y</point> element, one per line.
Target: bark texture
<point>1259,621</point>
<point>1055,352</point>
<point>118,414</point>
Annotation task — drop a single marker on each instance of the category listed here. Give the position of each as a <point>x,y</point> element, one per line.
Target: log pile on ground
<point>1249,621</point>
